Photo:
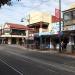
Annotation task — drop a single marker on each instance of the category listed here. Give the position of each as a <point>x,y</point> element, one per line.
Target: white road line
<point>11,67</point>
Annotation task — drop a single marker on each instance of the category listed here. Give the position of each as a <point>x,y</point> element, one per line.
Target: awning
<point>44,33</point>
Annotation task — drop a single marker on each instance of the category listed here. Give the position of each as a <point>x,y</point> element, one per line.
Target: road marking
<point>11,67</point>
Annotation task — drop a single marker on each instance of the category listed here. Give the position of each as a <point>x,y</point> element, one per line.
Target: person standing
<point>62,45</point>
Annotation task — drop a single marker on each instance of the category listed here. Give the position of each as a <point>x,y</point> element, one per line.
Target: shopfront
<point>13,34</point>
<point>69,28</point>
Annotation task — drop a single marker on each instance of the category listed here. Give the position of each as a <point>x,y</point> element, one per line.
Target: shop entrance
<point>6,41</point>
<point>20,41</point>
<point>13,41</point>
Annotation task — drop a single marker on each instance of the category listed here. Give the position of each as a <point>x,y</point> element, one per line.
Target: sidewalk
<point>72,55</point>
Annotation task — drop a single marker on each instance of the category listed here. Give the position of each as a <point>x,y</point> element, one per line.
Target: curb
<point>50,51</point>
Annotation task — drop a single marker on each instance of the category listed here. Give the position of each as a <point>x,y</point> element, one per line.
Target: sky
<point>21,9</point>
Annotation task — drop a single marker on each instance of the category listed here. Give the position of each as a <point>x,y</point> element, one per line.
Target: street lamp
<point>28,20</point>
<point>60,26</point>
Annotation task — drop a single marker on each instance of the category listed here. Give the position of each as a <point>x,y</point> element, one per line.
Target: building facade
<point>45,28</point>
<point>13,33</point>
<point>69,28</point>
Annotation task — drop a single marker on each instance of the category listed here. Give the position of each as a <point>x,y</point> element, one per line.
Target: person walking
<point>62,45</point>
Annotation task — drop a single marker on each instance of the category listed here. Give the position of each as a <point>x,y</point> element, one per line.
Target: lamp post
<point>1,35</point>
<point>60,26</point>
<point>28,20</point>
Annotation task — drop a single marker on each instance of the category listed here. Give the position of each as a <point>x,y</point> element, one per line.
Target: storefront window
<point>18,32</point>
<point>67,16</point>
<point>6,31</point>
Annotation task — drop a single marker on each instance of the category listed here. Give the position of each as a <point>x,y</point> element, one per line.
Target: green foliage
<point>2,2</point>
<point>8,2</point>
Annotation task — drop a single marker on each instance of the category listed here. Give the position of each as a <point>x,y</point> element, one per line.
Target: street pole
<point>60,26</point>
<point>28,20</point>
<point>40,36</point>
<point>1,35</point>
<point>28,31</point>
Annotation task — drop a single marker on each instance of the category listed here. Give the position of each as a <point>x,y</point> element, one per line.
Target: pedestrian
<point>62,45</point>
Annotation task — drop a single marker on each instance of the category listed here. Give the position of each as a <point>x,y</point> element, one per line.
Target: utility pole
<point>60,26</point>
<point>28,30</point>
<point>40,36</point>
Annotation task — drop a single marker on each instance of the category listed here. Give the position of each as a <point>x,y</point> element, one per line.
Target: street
<point>17,61</point>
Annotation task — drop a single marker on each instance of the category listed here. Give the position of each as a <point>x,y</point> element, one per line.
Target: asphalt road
<point>17,61</point>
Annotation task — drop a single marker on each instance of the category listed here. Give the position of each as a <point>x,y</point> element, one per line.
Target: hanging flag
<point>57,12</point>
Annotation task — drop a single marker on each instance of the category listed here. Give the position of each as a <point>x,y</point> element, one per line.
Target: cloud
<point>20,9</point>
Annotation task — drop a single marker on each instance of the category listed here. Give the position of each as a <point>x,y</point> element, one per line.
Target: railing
<point>18,34</point>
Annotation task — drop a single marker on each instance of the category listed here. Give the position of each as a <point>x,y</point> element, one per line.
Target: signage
<point>7,26</point>
<point>55,28</point>
<point>72,27</point>
<point>7,33</point>
<point>44,33</point>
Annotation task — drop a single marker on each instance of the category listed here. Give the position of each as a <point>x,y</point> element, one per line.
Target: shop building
<point>54,32</point>
<point>39,22</point>
<point>38,39</point>
<point>13,33</point>
<point>46,30</point>
<point>69,28</point>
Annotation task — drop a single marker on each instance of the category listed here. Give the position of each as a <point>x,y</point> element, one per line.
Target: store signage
<point>72,27</point>
<point>55,28</point>
<point>44,33</point>
<point>7,33</point>
<point>6,26</point>
<point>6,29</point>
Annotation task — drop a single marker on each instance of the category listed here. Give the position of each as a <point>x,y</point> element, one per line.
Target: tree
<point>2,2</point>
<point>8,2</point>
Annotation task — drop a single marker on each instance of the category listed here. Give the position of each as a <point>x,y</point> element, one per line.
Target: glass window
<point>73,14</point>
<point>18,32</point>
<point>6,30</point>
<point>67,16</point>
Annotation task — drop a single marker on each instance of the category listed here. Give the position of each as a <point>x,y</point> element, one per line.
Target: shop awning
<point>44,33</point>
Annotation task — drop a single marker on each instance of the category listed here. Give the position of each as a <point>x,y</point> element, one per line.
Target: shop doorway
<point>20,41</point>
<point>13,41</point>
<point>6,41</point>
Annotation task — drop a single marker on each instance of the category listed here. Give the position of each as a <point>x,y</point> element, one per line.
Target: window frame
<point>70,14</point>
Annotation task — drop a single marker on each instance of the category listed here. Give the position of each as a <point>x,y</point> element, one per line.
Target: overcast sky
<point>20,9</point>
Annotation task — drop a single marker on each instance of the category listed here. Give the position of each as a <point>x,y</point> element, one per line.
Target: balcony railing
<point>18,34</point>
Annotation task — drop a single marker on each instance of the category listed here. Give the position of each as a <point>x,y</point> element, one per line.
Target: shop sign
<point>55,28</point>
<point>7,26</point>
<point>6,29</point>
<point>44,33</point>
<point>7,33</point>
<point>72,27</point>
